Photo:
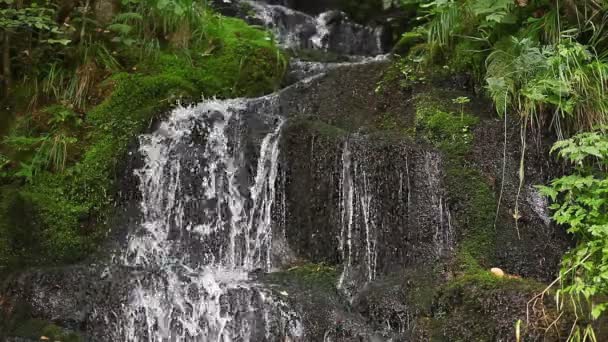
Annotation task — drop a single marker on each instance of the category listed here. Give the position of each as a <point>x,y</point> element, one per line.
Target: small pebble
<point>498,272</point>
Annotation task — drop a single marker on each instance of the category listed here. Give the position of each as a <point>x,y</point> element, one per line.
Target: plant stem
<point>6,62</point>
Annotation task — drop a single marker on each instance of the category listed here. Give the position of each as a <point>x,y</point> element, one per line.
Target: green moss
<point>487,281</point>
<point>391,124</point>
<point>407,41</point>
<point>471,198</point>
<point>306,276</point>
<point>69,209</point>
<point>447,130</point>
<point>244,62</point>
<point>405,73</point>
<point>475,206</point>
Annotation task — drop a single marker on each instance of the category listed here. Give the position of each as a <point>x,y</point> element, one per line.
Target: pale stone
<point>497,272</point>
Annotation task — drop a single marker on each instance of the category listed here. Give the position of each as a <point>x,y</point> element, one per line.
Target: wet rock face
<point>383,196</point>
<point>70,297</point>
<point>531,246</point>
<point>370,202</point>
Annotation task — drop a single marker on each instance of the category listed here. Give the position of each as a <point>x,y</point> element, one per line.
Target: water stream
<point>207,223</point>
<point>209,190</point>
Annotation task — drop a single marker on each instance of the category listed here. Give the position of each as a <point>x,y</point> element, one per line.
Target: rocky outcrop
<point>329,200</point>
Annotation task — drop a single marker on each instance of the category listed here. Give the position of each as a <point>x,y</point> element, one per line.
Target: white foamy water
<point>206,224</point>
<point>330,31</point>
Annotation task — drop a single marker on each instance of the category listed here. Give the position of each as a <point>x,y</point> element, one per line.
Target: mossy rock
<point>447,125</point>
<point>407,41</point>
<point>307,275</point>
<point>483,307</point>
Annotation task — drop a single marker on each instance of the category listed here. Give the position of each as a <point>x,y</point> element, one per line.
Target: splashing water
<point>329,31</point>
<point>206,224</point>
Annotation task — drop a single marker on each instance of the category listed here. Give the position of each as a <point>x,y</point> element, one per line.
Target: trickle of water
<point>444,235</point>
<point>358,224</point>
<point>206,223</point>
<point>346,217</point>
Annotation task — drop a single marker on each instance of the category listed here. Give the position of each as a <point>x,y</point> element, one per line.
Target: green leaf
<point>598,309</point>
<point>63,42</point>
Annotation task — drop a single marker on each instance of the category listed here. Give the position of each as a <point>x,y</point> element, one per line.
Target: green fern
<point>580,201</point>
<point>127,17</point>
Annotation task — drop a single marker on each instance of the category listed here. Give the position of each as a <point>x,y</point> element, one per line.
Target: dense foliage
<point>581,202</point>
<point>543,60</point>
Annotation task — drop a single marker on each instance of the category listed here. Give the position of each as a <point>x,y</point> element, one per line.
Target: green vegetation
<point>60,155</point>
<point>581,203</point>
<point>306,276</point>
<point>546,63</point>
<point>544,60</point>
<point>471,196</point>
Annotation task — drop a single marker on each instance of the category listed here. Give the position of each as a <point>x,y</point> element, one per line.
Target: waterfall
<point>329,31</point>
<point>213,200</point>
<point>245,208</point>
<point>206,224</point>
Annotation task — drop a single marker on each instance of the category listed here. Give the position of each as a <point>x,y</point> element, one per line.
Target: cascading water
<point>331,31</point>
<point>246,209</point>
<point>208,209</point>
<point>207,223</point>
